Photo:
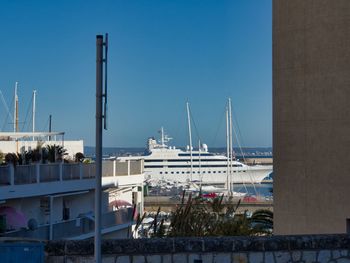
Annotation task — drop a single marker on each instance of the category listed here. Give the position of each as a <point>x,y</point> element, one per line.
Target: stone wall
<point>313,248</point>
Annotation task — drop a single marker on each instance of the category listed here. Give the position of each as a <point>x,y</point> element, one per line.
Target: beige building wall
<point>311,122</point>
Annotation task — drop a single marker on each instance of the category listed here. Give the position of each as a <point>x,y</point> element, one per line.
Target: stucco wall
<point>72,147</point>
<point>311,123</point>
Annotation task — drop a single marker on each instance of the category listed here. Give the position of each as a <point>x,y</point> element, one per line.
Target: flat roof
<point>23,135</point>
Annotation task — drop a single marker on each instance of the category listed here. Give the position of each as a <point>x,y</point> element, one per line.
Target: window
<point>154,166</point>
<point>196,154</point>
<point>166,172</point>
<point>161,172</point>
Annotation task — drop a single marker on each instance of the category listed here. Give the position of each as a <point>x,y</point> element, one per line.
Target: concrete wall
<point>326,248</point>
<point>311,115</point>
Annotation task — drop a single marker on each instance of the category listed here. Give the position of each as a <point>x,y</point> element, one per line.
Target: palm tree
<point>55,153</point>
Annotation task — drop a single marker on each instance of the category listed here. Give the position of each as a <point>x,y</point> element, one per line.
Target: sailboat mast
<point>33,121</point>
<point>162,136</point>
<point>15,111</point>
<point>228,184</point>
<point>199,164</point>
<point>230,139</point>
<point>190,135</point>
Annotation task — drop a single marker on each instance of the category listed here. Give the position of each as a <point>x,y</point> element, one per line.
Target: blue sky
<point>161,54</point>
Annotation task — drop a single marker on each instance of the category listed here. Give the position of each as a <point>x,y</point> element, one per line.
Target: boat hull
<point>250,174</point>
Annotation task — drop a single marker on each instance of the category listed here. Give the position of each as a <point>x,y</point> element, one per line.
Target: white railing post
<point>12,174</point>
<point>37,172</point>
<point>128,167</point>
<point>114,167</point>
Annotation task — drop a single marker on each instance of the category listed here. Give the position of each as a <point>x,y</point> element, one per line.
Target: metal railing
<point>71,171</point>
<point>25,174</point>
<point>85,225</point>
<point>75,227</point>
<point>5,175</point>
<point>50,172</point>
<point>53,172</point>
<point>89,170</point>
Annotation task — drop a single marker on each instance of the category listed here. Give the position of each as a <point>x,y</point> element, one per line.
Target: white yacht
<point>168,162</point>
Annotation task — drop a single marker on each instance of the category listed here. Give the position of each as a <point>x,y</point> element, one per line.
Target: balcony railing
<point>76,227</point>
<point>43,173</point>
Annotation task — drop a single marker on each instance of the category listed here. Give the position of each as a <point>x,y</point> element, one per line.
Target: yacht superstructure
<point>168,162</point>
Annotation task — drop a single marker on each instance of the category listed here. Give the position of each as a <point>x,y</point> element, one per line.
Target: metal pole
<point>15,108</point>
<point>190,135</point>
<point>231,143</point>
<point>34,97</point>
<point>228,186</point>
<point>50,128</point>
<point>99,84</point>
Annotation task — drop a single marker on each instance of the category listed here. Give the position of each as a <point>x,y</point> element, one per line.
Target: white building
<point>56,201</point>
<point>18,142</point>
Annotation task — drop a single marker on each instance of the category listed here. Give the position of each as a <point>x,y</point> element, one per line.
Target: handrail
<point>55,172</point>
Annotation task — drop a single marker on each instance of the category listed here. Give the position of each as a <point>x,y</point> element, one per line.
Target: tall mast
<point>34,97</point>
<point>199,163</point>
<point>162,136</point>
<point>228,152</point>
<point>15,112</point>
<point>190,135</point>
<point>50,123</point>
<point>230,139</point>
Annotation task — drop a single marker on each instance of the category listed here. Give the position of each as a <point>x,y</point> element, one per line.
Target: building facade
<point>311,116</point>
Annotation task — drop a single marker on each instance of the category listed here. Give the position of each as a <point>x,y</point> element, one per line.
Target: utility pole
<point>100,116</point>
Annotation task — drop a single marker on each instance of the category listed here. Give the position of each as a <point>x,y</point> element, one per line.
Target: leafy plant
<point>79,157</point>
<point>200,217</point>
<point>55,153</point>
<point>11,158</point>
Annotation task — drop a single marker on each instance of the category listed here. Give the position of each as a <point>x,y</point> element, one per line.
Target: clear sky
<point>161,54</point>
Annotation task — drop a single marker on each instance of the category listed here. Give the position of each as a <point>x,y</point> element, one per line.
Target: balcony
<point>78,228</point>
<point>40,179</point>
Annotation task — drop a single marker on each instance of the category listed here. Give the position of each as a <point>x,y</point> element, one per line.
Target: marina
<point>163,162</point>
